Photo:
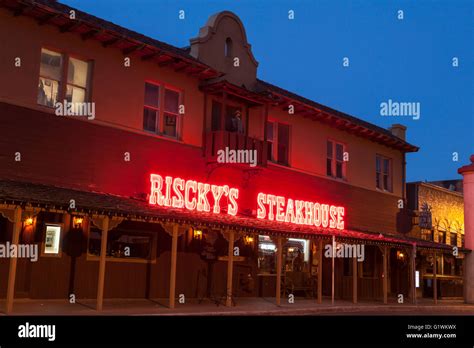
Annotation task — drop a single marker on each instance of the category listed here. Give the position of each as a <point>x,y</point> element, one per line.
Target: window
<point>53,74</point>
<point>454,239</point>
<point>158,117</point>
<point>266,255</point>
<point>123,244</point>
<point>278,139</point>
<point>335,164</point>
<point>383,168</point>
<point>228,47</point>
<point>51,239</point>
<point>270,140</point>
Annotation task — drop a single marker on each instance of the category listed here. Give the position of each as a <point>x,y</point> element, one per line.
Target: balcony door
<point>216,122</point>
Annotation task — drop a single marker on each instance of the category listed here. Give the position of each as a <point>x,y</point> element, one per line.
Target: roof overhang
<point>49,12</point>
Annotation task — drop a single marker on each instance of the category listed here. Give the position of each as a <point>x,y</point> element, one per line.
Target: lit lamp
<point>248,240</point>
<point>29,221</point>
<point>78,221</point>
<point>400,255</point>
<point>197,234</point>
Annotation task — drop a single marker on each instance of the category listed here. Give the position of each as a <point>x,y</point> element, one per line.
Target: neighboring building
<point>120,202</point>
<point>439,213</point>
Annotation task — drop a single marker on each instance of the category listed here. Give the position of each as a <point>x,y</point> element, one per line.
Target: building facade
<point>439,215</point>
<point>143,170</point>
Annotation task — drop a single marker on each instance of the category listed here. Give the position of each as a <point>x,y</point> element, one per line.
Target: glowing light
<point>197,234</point>
<point>29,221</point>
<point>78,221</point>
<point>248,240</point>
<point>299,212</point>
<point>192,195</point>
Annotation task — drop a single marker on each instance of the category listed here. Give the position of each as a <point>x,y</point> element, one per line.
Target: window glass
<point>149,119</point>
<point>283,143</point>
<point>339,152</point>
<point>152,95</point>
<point>216,115</point>
<point>78,71</point>
<point>122,244</point>
<point>48,92</point>
<point>51,240</point>
<point>170,125</point>
<point>51,64</point>
<point>266,255</point>
<point>75,95</point>
<point>171,101</point>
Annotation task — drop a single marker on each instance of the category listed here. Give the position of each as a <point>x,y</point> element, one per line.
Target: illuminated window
<point>454,239</point>
<point>335,164</point>
<point>383,173</point>
<point>158,117</point>
<point>266,255</point>
<point>52,238</point>
<point>55,87</point>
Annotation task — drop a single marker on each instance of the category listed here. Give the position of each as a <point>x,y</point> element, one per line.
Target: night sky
<point>409,60</point>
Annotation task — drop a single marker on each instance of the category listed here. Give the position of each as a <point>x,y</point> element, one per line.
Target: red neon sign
<point>190,194</point>
<point>299,212</point>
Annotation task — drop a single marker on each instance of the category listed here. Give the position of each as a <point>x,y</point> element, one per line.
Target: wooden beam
<point>112,41</point>
<point>155,54</point>
<point>230,269</point>
<point>278,275</point>
<point>22,10</point>
<point>320,271</point>
<point>70,26</point>
<point>102,259</point>
<point>168,62</point>
<point>354,279</point>
<point>46,18</point>
<point>332,268</point>
<point>132,49</point>
<point>435,278</point>
<point>385,275</point>
<point>174,252</point>
<point>91,33</point>
<point>17,223</point>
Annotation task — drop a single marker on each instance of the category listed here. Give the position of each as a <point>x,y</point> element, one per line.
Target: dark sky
<point>407,60</point>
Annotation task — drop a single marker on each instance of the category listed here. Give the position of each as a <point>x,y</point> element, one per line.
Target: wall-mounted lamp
<point>197,234</point>
<point>248,240</point>
<point>77,221</point>
<point>400,255</point>
<point>29,221</point>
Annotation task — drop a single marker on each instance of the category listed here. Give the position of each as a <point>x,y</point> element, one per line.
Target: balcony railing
<point>220,140</point>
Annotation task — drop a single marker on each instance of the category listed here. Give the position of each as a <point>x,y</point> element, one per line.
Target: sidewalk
<point>245,306</point>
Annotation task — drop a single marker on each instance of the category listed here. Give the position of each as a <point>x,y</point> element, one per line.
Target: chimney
<point>398,130</point>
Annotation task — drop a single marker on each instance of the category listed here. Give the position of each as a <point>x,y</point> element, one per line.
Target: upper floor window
<point>278,139</point>
<point>454,239</point>
<point>161,117</point>
<point>383,175</point>
<point>335,164</point>
<point>228,47</point>
<point>59,81</point>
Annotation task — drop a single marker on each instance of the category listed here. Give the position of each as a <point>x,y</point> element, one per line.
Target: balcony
<point>220,140</point>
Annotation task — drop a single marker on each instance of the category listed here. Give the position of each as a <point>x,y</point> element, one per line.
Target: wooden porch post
<point>278,275</point>
<point>204,126</point>
<point>13,260</point>
<point>230,269</point>
<point>247,116</point>
<point>174,252</point>
<point>354,279</point>
<point>332,276</point>
<point>385,275</point>
<point>103,255</point>
<point>413,271</point>
<point>435,280</point>
<point>320,271</point>
<point>224,111</point>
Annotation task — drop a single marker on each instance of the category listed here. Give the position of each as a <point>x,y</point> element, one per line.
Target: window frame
<point>390,173</point>
<point>43,240</point>
<point>334,160</point>
<point>63,82</point>
<point>275,142</point>
<point>160,123</point>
